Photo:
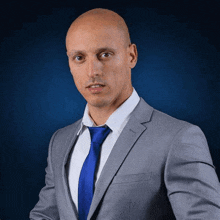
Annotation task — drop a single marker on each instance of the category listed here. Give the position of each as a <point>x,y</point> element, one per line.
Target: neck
<point>101,114</point>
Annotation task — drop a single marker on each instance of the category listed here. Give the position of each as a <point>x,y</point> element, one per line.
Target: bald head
<point>100,18</point>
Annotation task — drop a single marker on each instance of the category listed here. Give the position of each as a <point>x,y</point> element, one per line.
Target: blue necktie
<point>86,179</point>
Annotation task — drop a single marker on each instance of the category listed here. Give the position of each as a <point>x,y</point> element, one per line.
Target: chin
<point>98,103</point>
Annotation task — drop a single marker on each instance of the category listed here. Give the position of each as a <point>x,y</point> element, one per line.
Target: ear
<point>133,55</point>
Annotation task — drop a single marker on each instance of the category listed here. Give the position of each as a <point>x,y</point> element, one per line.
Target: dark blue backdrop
<point>177,73</point>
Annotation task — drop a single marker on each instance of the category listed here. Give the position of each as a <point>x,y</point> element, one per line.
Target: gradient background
<point>177,72</point>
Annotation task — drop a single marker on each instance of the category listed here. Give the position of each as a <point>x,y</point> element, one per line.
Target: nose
<point>94,67</point>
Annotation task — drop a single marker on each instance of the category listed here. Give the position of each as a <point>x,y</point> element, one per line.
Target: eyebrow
<point>99,50</point>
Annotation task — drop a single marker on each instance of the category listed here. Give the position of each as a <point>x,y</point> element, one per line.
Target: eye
<point>78,58</point>
<point>105,55</point>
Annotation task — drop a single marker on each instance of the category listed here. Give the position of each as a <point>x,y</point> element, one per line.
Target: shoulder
<point>179,128</point>
<point>62,140</point>
<point>66,132</point>
<point>177,136</point>
<point>157,120</point>
<point>163,126</point>
<point>162,119</point>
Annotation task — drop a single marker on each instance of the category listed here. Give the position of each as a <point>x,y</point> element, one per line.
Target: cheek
<point>116,70</point>
<point>118,74</point>
<point>115,81</point>
<point>77,75</point>
<point>78,81</point>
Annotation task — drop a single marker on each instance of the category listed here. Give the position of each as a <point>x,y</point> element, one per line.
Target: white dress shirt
<point>116,122</point>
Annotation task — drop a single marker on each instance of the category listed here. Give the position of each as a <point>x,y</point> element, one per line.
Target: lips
<point>95,88</point>
<point>95,85</point>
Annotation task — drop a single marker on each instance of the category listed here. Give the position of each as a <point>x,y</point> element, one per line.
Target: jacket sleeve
<point>192,184</point>
<point>46,208</point>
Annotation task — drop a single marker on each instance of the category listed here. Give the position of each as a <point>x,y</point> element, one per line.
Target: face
<point>100,64</point>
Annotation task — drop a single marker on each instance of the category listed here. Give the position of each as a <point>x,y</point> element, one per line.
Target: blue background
<point>177,72</point>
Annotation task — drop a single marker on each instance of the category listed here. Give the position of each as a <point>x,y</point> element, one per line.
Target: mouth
<point>95,85</point>
<point>96,88</point>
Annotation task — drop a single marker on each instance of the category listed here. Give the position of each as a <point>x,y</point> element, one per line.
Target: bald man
<point>124,159</point>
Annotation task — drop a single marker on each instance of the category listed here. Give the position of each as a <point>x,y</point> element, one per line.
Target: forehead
<point>89,37</point>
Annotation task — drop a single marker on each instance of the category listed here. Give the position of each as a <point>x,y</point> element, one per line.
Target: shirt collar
<point>117,118</point>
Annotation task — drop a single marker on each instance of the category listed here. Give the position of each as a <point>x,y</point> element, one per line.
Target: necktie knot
<point>98,134</point>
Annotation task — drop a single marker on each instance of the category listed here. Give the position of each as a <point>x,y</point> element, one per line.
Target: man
<point>148,164</point>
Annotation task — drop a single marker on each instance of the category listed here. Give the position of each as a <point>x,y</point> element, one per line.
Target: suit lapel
<point>121,149</point>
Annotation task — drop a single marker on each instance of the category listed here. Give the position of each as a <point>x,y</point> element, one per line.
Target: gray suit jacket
<point>160,168</point>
